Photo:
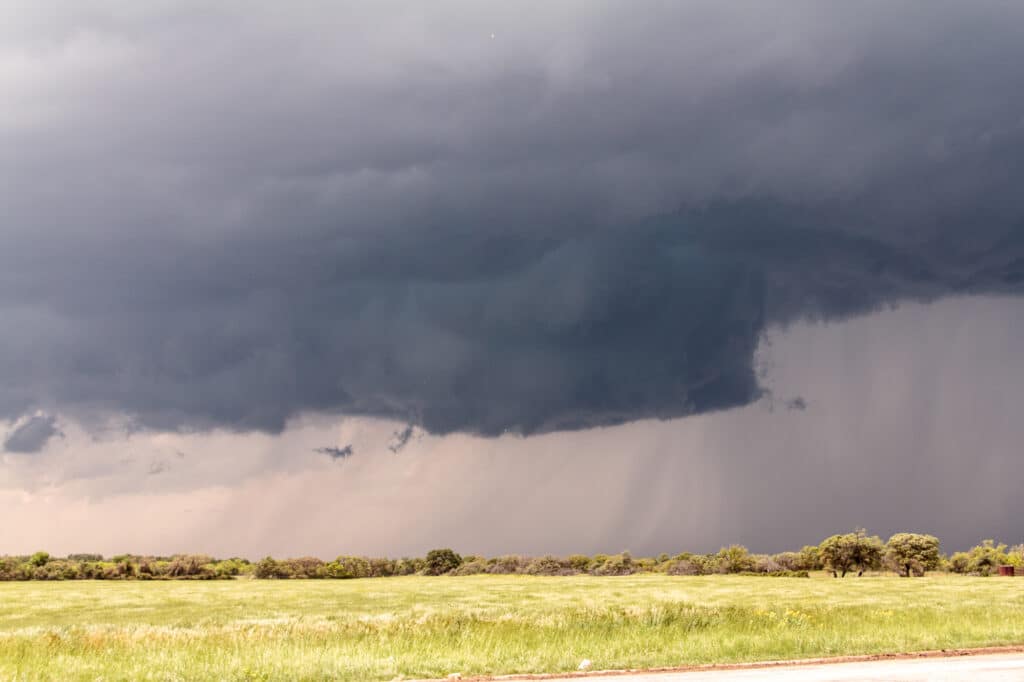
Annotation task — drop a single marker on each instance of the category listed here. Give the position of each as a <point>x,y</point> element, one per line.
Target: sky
<point>338,277</point>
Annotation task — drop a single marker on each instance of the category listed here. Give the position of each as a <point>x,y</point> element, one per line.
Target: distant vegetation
<point>907,554</point>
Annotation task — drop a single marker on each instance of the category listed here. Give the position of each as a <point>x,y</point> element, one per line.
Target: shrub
<point>307,567</point>
<point>54,570</point>
<point>347,567</point>
<point>912,553</point>
<point>80,558</point>
<point>767,564</point>
<point>981,559</point>
<point>269,568</point>
<point>507,564</point>
<point>475,567</point>
<point>441,561</point>
<point>407,566</point>
<point>810,559</point>
<point>789,561</point>
<point>851,551</point>
<point>381,568</point>
<point>734,559</point>
<point>38,559</point>
<point>549,565</point>
<point>620,564</point>
<point>685,567</point>
<point>189,566</point>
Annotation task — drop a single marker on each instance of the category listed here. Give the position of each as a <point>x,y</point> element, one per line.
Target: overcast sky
<point>539,277</point>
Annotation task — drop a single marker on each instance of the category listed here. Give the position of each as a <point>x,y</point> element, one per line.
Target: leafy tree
<point>268,567</point>
<point>349,567</point>
<point>851,551</point>
<point>810,559</point>
<point>981,559</point>
<point>85,557</point>
<point>39,559</point>
<point>735,559</point>
<point>960,562</point>
<point>618,564</point>
<point>913,553</point>
<point>441,561</point>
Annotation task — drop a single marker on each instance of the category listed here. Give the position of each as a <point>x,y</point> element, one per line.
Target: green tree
<point>441,561</point>
<point>810,559</point>
<point>39,559</point>
<point>268,567</point>
<point>981,559</point>
<point>913,553</point>
<point>735,559</point>
<point>850,551</point>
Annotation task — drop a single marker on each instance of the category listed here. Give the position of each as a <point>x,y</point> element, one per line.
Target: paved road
<point>983,668</point>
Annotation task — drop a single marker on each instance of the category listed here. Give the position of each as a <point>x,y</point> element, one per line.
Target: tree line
<point>906,554</point>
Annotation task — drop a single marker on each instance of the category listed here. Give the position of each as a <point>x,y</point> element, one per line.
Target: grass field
<point>389,628</point>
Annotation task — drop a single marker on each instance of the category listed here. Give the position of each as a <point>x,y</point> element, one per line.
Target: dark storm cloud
<point>229,216</point>
<point>32,434</point>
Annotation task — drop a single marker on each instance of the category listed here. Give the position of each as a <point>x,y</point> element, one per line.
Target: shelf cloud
<point>480,219</point>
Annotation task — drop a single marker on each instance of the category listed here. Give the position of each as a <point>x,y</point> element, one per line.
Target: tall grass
<point>428,627</point>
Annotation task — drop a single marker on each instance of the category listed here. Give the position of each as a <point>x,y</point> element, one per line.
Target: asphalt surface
<point>983,668</point>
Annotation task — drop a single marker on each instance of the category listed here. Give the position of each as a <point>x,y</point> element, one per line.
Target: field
<point>388,628</point>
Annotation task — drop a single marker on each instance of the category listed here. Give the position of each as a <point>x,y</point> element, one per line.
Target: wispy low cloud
<point>797,403</point>
<point>400,439</point>
<point>32,434</point>
<point>337,453</point>
<point>158,467</point>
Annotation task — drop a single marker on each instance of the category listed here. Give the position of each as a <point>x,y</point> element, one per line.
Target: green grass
<point>385,628</point>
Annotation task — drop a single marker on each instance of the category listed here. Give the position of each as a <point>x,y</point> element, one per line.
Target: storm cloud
<point>31,434</point>
<point>231,215</point>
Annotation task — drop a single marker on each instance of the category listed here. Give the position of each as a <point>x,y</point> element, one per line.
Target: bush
<point>441,562</point>
<point>39,559</point>
<point>347,567</point>
<point>269,568</point>
<point>189,566</point>
<point>767,564</point>
<point>983,559</point>
<point>912,553</point>
<point>685,567</point>
<point>789,561</point>
<point>474,567</point>
<point>80,558</point>
<point>549,565</point>
<point>407,566</point>
<point>54,570</point>
<point>734,559</point>
<point>810,559</point>
<point>381,568</point>
<point>305,567</point>
<point>851,551</point>
<point>507,565</point>
<point>620,564</point>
